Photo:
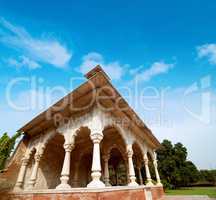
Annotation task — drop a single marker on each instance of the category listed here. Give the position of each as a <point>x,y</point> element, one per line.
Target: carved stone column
<point>132,176</point>
<point>156,173</point>
<point>65,173</point>
<point>96,163</point>
<point>33,177</point>
<point>140,174</point>
<point>106,169</point>
<point>127,171</point>
<point>76,174</point>
<point>148,175</point>
<point>21,175</point>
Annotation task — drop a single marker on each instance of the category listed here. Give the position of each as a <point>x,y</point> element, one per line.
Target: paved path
<point>185,197</point>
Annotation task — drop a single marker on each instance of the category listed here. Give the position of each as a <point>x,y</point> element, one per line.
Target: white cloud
<point>49,51</point>
<point>114,69</point>
<point>134,71</point>
<point>155,69</point>
<point>23,61</point>
<point>25,105</point>
<point>181,126</point>
<point>173,115</point>
<point>207,51</point>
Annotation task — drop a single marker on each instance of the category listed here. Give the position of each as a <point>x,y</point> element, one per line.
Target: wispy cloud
<point>37,50</point>
<point>155,69</point>
<point>207,51</point>
<point>114,69</point>
<point>23,61</point>
<point>24,105</point>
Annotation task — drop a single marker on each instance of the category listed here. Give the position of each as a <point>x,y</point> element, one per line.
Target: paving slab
<point>186,197</point>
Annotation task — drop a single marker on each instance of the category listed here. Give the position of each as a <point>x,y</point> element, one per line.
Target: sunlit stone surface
<point>90,145</point>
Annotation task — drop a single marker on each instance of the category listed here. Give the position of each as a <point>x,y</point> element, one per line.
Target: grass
<point>210,191</point>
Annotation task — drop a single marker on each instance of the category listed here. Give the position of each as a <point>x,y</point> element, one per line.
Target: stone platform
<point>108,193</point>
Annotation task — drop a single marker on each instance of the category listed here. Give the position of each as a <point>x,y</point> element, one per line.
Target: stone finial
<point>96,70</point>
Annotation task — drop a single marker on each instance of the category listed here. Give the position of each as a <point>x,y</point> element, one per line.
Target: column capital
<point>68,147</point>
<point>37,157</point>
<point>25,161</point>
<point>146,161</point>
<point>96,137</point>
<point>106,157</point>
<point>155,162</point>
<point>145,158</point>
<point>129,151</point>
<point>139,165</point>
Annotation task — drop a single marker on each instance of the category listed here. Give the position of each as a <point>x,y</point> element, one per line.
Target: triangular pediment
<point>96,91</point>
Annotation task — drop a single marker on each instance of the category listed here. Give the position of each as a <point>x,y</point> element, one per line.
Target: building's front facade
<point>91,141</point>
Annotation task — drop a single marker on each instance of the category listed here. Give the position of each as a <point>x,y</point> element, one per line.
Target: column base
<point>108,185</point>
<point>17,189</point>
<point>30,186</point>
<point>159,184</point>
<point>96,184</point>
<point>63,186</point>
<point>64,183</point>
<point>75,184</point>
<point>134,183</point>
<point>149,183</point>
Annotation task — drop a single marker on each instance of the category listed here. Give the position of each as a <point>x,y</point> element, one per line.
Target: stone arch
<point>81,158</point>
<point>113,145</point>
<point>117,168</point>
<point>120,149</point>
<point>110,121</point>
<point>137,152</point>
<point>151,154</point>
<point>113,136</point>
<point>30,153</point>
<point>49,173</point>
<point>151,158</point>
<point>138,162</point>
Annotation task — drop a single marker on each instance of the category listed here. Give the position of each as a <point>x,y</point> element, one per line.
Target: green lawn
<point>210,191</point>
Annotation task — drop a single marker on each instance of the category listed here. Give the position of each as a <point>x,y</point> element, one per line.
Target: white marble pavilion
<point>89,139</point>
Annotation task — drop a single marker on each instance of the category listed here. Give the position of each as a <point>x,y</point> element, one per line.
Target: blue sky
<point>166,45</point>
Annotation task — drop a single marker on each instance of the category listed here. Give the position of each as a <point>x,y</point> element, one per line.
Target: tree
<point>208,177</point>
<point>6,147</point>
<point>174,168</point>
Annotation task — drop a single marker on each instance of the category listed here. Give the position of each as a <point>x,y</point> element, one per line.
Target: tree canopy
<point>7,144</point>
<point>174,167</point>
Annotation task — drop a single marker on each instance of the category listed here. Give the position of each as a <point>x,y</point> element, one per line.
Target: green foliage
<point>176,171</point>
<point>6,147</point>
<point>174,168</point>
<point>208,176</point>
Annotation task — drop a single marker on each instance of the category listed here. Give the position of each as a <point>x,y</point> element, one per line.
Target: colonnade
<point>96,138</point>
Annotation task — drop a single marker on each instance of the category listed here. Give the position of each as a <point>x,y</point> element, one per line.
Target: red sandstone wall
<point>157,192</point>
<point>138,194</point>
<point>9,176</point>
